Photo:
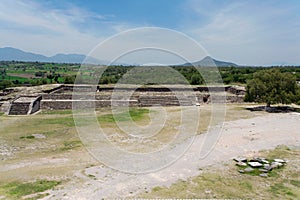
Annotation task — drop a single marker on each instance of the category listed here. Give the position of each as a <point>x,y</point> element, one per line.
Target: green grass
<point>281,189</point>
<point>135,114</point>
<point>13,78</point>
<point>55,112</point>
<point>27,137</point>
<point>16,190</point>
<point>295,183</point>
<point>68,145</point>
<point>66,121</point>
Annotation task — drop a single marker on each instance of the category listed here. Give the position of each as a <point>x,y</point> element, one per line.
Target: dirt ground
<point>83,177</point>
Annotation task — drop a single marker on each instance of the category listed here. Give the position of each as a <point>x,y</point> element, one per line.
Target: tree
<point>272,86</point>
<point>5,84</point>
<point>69,79</point>
<point>196,79</point>
<point>56,77</point>
<point>39,74</point>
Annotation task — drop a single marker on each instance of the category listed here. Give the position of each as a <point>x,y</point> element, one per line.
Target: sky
<point>252,32</point>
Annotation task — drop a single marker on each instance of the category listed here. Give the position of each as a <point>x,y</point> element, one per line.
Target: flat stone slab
<point>255,164</point>
<point>279,160</point>
<point>240,159</point>
<point>276,165</point>
<point>263,175</point>
<point>242,164</point>
<point>255,160</point>
<point>263,170</point>
<point>248,169</point>
<point>39,136</point>
<point>25,99</point>
<point>265,161</point>
<point>266,166</point>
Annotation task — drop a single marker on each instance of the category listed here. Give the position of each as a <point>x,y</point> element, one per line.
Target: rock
<point>240,159</point>
<point>248,169</point>
<point>254,160</point>
<point>265,161</point>
<point>39,136</point>
<point>207,191</point>
<point>279,160</point>
<point>269,168</point>
<point>261,160</point>
<point>241,164</point>
<point>255,164</point>
<point>258,159</point>
<point>241,171</point>
<point>263,175</point>
<point>263,170</point>
<point>266,166</point>
<point>276,165</point>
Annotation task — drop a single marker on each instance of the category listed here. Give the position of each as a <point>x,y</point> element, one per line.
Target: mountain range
<point>10,54</point>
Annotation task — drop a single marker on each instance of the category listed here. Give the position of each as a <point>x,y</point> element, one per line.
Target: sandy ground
<point>240,137</point>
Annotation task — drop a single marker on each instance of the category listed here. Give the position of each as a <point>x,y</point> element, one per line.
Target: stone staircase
<point>165,101</point>
<point>24,105</point>
<point>19,108</point>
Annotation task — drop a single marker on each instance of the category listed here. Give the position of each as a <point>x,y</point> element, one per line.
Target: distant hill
<point>210,62</point>
<point>9,54</point>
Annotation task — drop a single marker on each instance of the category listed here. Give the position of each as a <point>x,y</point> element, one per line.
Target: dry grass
<point>226,182</point>
<point>60,153</point>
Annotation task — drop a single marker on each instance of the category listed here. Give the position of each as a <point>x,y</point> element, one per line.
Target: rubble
<point>260,166</point>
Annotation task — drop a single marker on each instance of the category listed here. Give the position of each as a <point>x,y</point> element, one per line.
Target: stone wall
<point>19,108</point>
<point>147,96</point>
<point>62,97</point>
<point>237,90</point>
<point>68,104</point>
<point>35,105</point>
<point>235,99</point>
<point>55,105</point>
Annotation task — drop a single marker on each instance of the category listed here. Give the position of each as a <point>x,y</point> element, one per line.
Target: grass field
<point>14,78</point>
<point>41,151</point>
<point>28,190</point>
<point>48,134</point>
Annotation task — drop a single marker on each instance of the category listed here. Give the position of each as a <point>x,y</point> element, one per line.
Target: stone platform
<point>65,96</point>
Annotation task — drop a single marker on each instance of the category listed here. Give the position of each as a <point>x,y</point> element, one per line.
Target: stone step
<point>19,108</point>
<point>25,105</point>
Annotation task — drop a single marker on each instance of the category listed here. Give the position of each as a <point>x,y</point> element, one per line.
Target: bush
<point>69,79</point>
<point>5,84</point>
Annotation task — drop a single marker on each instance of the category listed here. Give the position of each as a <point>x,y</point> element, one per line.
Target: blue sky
<point>250,32</point>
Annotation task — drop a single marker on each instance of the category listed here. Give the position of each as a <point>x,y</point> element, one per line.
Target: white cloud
<point>247,32</point>
<point>32,26</point>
